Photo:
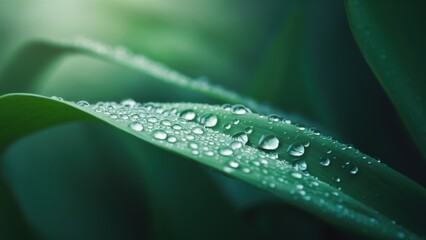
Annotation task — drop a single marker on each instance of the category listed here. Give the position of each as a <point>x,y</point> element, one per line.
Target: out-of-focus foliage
<point>299,56</point>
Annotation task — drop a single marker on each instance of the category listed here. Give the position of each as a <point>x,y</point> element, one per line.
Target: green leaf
<point>30,65</point>
<point>354,191</point>
<point>391,37</point>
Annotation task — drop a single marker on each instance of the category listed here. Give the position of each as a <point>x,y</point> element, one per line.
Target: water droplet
<point>236,145</point>
<point>152,119</point>
<point>128,103</point>
<point>274,118</point>
<point>166,122</point>
<point>159,134</point>
<point>300,165</point>
<point>193,145</point>
<point>171,139</point>
<point>354,170</point>
<point>177,127</point>
<point>83,104</point>
<point>249,130</point>
<point>241,137</point>
<point>225,151</point>
<point>197,130</point>
<point>137,126</point>
<point>269,142</point>
<point>240,109</point>
<point>188,114</point>
<point>296,175</point>
<point>57,98</point>
<point>226,107</point>
<point>324,161</point>
<point>208,120</point>
<point>234,164</point>
<point>236,121</point>
<point>227,126</point>
<point>296,149</point>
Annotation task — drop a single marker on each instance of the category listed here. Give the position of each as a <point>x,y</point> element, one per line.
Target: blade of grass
<point>391,39</point>
<point>367,202</point>
<point>29,66</point>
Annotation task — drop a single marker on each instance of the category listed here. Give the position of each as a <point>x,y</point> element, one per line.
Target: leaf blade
<point>354,213</point>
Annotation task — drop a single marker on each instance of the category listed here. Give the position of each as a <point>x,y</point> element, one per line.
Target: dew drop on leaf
<point>269,142</point>
<point>188,114</point>
<point>354,170</point>
<point>83,104</point>
<point>296,149</point>
<point>159,134</point>
<point>198,130</point>
<point>137,126</point>
<point>240,109</point>
<point>225,151</point>
<point>324,161</point>
<point>241,137</point>
<point>208,120</point>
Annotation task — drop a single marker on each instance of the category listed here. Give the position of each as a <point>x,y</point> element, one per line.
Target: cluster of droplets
<point>190,129</point>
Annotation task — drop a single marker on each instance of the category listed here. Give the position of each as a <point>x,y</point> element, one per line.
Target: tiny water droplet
<point>225,151</point>
<point>128,103</point>
<point>241,137</point>
<point>240,109</point>
<point>166,122</point>
<point>177,127</point>
<point>171,139</point>
<point>248,130</point>
<point>137,126</point>
<point>296,149</point>
<point>325,161</point>
<point>269,142</point>
<point>227,126</point>
<point>296,175</point>
<point>354,170</point>
<point>188,114</point>
<point>197,130</point>
<point>83,104</point>
<point>300,165</point>
<point>159,134</point>
<point>236,145</point>
<point>274,118</point>
<point>234,164</point>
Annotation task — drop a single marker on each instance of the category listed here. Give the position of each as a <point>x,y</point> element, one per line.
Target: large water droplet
<point>188,114</point>
<point>225,151</point>
<point>159,134</point>
<point>296,149</point>
<point>269,142</point>
<point>208,120</point>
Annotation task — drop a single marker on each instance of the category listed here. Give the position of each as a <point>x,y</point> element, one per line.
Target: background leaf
<point>392,42</point>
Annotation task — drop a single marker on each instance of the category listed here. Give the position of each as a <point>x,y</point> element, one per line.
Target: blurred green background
<point>299,56</point>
